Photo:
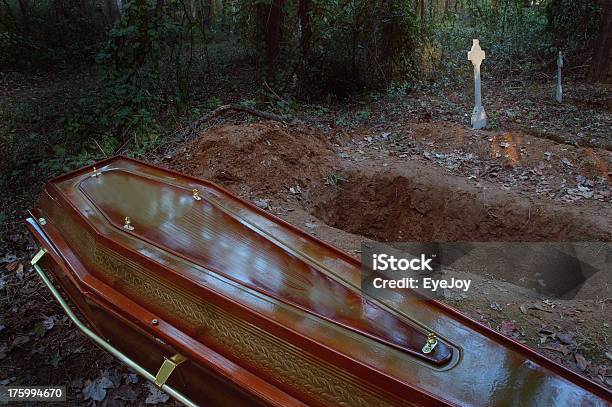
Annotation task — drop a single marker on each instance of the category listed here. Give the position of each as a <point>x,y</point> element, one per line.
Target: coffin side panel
<point>149,352</point>
<point>308,378</point>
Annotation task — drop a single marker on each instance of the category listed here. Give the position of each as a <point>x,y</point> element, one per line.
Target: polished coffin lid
<point>208,239</point>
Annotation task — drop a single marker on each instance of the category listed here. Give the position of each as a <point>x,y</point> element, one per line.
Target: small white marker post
<point>476,56</point>
<point>559,93</point>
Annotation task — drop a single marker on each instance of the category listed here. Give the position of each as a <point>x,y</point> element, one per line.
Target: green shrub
<point>38,35</point>
<point>145,67</point>
<point>573,24</point>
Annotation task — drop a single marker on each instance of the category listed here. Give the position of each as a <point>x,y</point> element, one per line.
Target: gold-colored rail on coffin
<point>102,343</point>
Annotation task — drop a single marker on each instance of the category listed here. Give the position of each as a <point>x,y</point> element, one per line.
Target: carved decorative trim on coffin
<point>315,378</point>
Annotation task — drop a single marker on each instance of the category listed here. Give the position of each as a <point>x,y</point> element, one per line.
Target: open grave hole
<point>414,203</point>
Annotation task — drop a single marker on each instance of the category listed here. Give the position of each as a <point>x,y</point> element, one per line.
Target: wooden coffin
<point>264,313</point>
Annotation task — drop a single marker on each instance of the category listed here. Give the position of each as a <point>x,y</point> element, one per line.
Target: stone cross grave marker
<point>559,93</point>
<point>476,56</point>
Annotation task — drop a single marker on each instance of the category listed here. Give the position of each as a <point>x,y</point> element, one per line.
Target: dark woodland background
<point>85,79</point>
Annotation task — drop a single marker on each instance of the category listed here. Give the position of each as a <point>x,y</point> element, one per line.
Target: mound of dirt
<point>260,158</point>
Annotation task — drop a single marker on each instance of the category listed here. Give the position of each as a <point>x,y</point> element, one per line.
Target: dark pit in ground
<point>414,203</point>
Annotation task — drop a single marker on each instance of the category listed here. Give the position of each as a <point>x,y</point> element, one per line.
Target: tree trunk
<point>25,15</point>
<point>306,27</point>
<point>113,10</point>
<point>206,14</point>
<point>601,65</point>
<point>270,16</point>
<point>422,15</point>
<point>159,5</point>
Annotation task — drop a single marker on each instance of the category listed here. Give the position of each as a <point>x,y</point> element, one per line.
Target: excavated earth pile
<point>256,159</point>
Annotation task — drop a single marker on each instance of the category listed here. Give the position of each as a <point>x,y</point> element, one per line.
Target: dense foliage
<point>299,46</point>
<point>145,64</point>
<point>38,34</point>
<point>331,46</point>
<point>573,24</point>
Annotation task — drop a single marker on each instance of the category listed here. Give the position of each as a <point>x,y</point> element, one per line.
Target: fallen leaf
<point>495,306</point>
<point>19,272</point>
<point>126,392</point>
<point>539,308</point>
<point>49,322</point>
<point>155,395</point>
<point>7,381</point>
<point>11,266</point>
<point>581,362</point>
<point>20,340</point>
<point>545,330</point>
<point>131,378</point>
<point>538,169</point>
<point>96,390</point>
<point>566,338</point>
<point>262,203</point>
<point>9,258</point>
<point>558,348</point>
<point>508,327</point>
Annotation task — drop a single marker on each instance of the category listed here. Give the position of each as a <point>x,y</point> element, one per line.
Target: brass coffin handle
<point>103,343</point>
<point>166,369</point>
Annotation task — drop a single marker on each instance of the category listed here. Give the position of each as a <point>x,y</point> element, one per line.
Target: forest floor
<point>397,167</point>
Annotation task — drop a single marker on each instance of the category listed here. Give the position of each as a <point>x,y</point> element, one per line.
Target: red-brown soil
<point>257,158</point>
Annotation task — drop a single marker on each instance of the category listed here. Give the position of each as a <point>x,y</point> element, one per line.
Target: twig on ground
<point>240,108</point>
<point>275,94</point>
<point>95,141</point>
<point>193,127</point>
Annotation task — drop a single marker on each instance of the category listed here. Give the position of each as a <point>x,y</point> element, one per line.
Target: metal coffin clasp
<point>431,343</point>
<point>127,225</point>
